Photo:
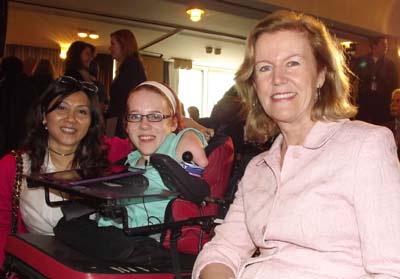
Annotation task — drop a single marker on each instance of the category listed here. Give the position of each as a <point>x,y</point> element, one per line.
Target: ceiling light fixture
<point>195,14</point>
<point>346,44</point>
<point>93,36</point>
<point>88,33</point>
<point>82,34</point>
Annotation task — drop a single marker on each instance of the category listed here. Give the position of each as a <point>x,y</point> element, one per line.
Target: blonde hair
<point>334,102</point>
<point>396,91</point>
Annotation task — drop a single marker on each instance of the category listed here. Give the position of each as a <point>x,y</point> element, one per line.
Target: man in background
<point>194,113</point>
<point>377,79</point>
<point>228,117</point>
<point>394,125</point>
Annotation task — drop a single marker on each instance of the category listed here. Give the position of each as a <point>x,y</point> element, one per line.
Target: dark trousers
<point>110,243</point>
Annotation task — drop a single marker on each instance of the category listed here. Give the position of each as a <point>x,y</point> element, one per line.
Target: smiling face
<point>145,135</point>
<point>286,77</point>
<point>69,122</point>
<point>86,57</point>
<point>115,49</point>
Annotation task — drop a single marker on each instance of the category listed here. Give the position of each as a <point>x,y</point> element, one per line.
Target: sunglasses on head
<point>77,84</point>
<point>67,84</point>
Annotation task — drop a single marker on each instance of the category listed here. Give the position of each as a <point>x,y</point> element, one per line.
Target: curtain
<point>31,55</point>
<point>173,75</point>
<point>106,70</point>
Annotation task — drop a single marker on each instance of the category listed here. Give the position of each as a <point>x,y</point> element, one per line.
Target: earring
<point>44,124</point>
<point>318,94</point>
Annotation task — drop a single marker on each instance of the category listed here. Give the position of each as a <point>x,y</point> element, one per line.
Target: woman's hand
<point>216,271</point>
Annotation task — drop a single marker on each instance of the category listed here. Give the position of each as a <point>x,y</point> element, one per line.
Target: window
<point>203,87</point>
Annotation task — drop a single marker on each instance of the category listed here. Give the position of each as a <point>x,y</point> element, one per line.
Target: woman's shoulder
<point>359,128</point>
<point>131,62</point>
<point>191,132</point>
<point>7,161</point>
<point>73,73</point>
<point>8,166</point>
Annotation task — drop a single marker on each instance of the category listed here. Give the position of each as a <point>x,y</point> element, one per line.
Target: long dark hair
<point>44,68</point>
<point>90,152</point>
<point>73,61</point>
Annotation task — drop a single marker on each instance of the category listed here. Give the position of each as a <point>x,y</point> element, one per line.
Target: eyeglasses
<point>151,117</point>
<point>77,84</point>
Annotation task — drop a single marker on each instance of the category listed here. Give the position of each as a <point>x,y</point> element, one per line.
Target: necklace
<point>59,153</point>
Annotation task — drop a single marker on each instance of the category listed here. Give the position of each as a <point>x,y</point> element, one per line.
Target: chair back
<point>216,174</point>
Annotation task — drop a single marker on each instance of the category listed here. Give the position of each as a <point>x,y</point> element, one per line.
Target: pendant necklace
<point>59,153</point>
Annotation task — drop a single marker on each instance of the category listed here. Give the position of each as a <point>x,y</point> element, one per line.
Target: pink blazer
<point>331,211</point>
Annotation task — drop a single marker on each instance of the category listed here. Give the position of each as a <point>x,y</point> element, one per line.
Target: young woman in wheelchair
<point>154,124</point>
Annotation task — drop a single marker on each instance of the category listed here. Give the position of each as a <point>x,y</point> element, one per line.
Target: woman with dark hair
<point>130,73</point>
<point>65,132</point>
<point>15,100</point>
<point>79,57</point>
<point>42,76</point>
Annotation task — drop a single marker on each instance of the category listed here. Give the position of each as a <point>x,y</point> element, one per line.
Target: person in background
<point>394,125</point>
<point>29,65</point>
<point>194,113</point>
<point>154,124</point>
<point>42,76</point>
<point>130,73</point>
<point>229,117</point>
<point>16,97</point>
<point>377,78</point>
<point>324,200</point>
<point>79,57</point>
<point>94,70</point>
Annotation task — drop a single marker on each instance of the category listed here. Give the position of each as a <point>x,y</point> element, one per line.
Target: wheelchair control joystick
<point>189,166</point>
<point>187,157</point>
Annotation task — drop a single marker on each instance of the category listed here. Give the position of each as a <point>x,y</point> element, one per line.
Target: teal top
<point>150,211</point>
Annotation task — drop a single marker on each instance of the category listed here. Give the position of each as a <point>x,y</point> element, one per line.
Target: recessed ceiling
<point>162,27</point>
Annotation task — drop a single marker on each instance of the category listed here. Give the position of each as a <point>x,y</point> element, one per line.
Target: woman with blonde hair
<point>324,200</point>
<point>130,73</point>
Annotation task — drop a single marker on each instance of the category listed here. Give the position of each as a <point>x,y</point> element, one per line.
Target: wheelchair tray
<point>125,183</point>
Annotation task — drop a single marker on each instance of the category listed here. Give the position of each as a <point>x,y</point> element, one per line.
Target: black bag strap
<point>176,264</point>
<point>17,190</point>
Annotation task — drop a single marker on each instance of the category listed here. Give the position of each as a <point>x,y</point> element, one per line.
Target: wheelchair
<point>188,225</point>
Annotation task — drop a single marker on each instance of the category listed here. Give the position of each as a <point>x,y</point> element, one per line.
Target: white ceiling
<point>47,23</point>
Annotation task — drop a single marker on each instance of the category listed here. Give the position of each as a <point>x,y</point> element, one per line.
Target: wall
<point>154,67</point>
